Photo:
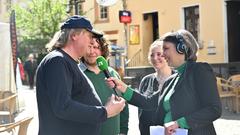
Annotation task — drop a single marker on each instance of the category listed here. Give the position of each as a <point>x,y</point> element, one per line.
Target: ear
<point>73,36</point>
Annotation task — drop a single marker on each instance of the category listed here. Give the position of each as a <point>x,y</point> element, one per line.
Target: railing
<point>134,60</point>
<point>226,69</point>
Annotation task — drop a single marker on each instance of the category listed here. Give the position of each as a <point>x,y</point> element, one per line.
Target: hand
<point>114,106</point>
<point>116,83</point>
<point>170,127</point>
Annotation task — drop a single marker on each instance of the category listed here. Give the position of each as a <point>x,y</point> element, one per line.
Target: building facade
<point>5,8</point>
<point>106,20</point>
<point>214,24</point>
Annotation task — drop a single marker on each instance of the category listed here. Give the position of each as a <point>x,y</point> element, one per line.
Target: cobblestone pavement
<point>228,124</point>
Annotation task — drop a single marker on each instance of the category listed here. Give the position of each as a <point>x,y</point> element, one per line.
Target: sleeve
<point>124,118</point>
<point>144,102</point>
<point>25,66</point>
<point>206,88</point>
<point>124,115</point>
<point>59,84</point>
<point>182,122</point>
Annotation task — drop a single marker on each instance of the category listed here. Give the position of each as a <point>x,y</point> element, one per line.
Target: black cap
<point>77,21</point>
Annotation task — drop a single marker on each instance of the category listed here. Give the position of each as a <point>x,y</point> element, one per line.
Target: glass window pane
<point>192,20</point>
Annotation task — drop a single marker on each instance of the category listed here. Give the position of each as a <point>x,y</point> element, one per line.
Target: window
<point>103,13</point>
<point>191,15</point>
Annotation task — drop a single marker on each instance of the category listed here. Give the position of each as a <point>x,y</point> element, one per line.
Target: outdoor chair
<point>7,107</point>
<point>12,127</point>
<point>226,92</point>
<point>234,80</point>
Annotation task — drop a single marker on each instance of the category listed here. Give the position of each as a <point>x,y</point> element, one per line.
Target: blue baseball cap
<point>77,21</point>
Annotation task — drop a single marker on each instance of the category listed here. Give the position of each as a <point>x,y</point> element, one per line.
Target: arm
<point>26,67</point>
<point>206,88</point>
<point>124,115</point>
<point>59,85</point>
<point>133,97</point>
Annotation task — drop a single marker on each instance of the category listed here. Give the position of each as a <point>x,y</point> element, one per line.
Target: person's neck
<point>181,63</point>
<point>164,72</point>
<point>71,52</point>
<point>93,68</point>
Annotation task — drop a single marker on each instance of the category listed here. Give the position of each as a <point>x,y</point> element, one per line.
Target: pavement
<point>228,124</point>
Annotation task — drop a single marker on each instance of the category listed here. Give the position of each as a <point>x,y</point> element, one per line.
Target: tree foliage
<point>37,22</point>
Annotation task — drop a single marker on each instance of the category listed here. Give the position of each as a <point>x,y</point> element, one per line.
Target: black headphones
<point>180,46</point>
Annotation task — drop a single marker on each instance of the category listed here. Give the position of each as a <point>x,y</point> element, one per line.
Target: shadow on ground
<point>230,115</point>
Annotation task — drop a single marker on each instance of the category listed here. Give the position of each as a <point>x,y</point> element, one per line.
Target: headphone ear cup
<point>181,48</point>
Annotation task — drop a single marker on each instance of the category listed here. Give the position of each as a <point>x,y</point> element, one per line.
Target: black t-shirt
<point>67,104</point>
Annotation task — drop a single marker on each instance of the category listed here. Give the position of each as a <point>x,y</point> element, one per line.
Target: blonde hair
<point>61,38</point>
<point>155,44</point>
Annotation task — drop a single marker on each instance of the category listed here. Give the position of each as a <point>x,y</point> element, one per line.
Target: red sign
<point>125,16</point>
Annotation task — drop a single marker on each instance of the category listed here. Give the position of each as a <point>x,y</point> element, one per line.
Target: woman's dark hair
<point>189,41</point>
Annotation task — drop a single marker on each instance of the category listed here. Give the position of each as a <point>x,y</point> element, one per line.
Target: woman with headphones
<point>189,99</point>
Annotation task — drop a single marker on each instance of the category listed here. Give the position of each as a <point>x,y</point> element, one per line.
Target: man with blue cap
<point>67,101</point>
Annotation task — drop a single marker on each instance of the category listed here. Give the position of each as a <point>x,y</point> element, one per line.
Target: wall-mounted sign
<point>125,16</point>
<point>106,3</point>
<point>134,34</point>
<point>211,48</point>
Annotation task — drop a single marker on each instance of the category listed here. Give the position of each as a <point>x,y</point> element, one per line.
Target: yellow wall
<point>170,16</point>
<point>4,17</point>
<point>112,25</point>
<point>4,13</point>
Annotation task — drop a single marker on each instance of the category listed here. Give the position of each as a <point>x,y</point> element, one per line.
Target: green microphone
<point>103,66</point>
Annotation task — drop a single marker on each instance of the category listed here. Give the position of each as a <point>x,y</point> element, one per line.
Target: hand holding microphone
<point>103,66</point>
<point>117,84</point>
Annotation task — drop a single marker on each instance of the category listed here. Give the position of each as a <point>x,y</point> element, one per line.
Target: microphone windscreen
<point>102,63</point>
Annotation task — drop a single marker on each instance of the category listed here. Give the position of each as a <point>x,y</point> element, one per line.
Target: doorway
<point>153,19</point>
<point>150,30</point>
<point>233,21</point>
